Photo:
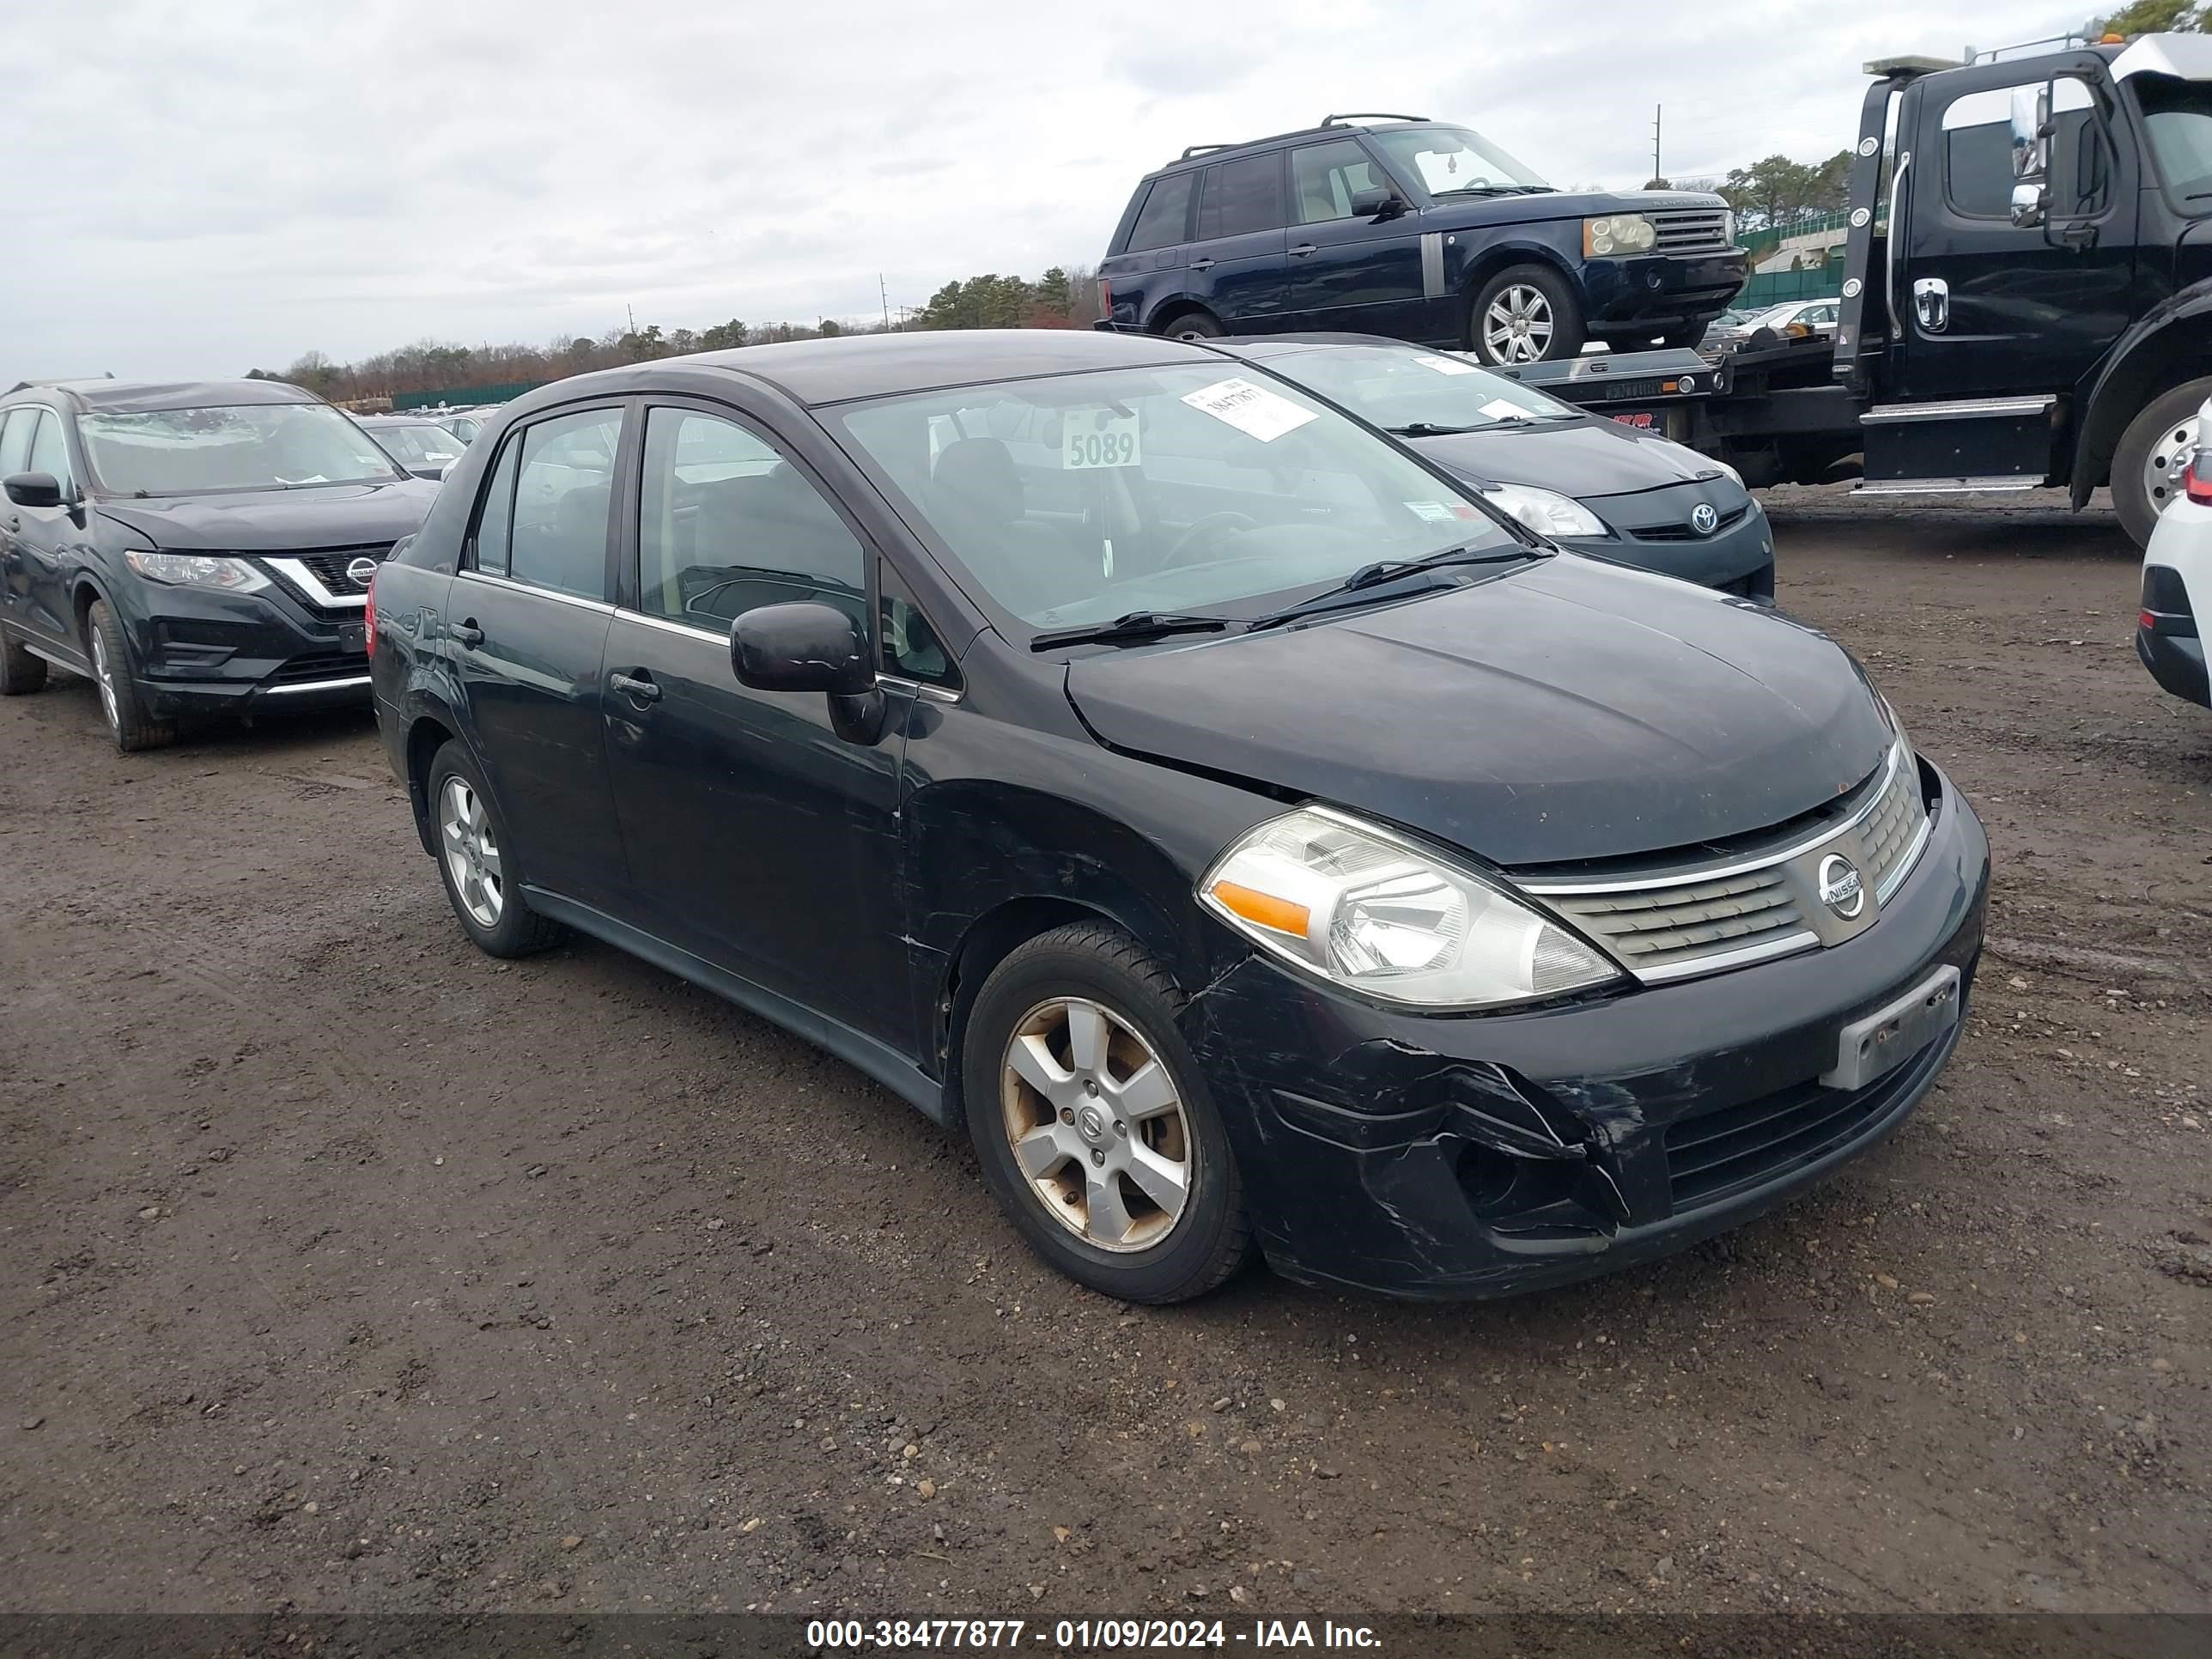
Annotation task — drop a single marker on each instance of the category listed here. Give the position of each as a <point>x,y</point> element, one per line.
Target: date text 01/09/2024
<point>831,1635</point>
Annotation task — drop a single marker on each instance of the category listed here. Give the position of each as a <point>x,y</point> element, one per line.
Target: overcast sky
<point>204,186</point>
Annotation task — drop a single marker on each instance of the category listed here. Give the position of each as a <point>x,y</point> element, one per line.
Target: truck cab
<point>2027,297</point>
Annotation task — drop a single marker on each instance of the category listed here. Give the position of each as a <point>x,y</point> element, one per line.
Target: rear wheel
<point>129,721</point>
<point>1525,314</point>
<point>473,862</point>
<point>19,671</point>
<point>2153,453</point>
<point>1096,1131</point>
<point>1193,325</point>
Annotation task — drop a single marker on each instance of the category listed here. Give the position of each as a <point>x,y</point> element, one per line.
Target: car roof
<point>1330,126</point>
<point>144,396</point>
<point>1261,347</point>
<point>856,366</point>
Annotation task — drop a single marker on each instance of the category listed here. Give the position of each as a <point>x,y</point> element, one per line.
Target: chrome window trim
<point>720,636</point>
<point>1722,872</point>
<point>532,588</point>
<point>295,571</point>
<point>338,684</point>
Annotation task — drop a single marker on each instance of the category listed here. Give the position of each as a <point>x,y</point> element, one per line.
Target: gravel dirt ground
<point>347,1269</point>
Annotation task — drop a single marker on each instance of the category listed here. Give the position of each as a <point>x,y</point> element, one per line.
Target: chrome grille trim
<point>1675,923</point>
<point>1691,230</point>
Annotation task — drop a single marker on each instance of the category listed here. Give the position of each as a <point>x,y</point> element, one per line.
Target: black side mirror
<point>802,647</point>
<point>1377,204</point>
<point>34,489</point>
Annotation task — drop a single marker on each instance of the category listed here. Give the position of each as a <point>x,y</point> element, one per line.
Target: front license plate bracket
<point>1870,1048</point>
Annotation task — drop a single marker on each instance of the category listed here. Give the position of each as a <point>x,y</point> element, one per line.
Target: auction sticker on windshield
<point>1099,437</point>
<point>1446,366</point>
<point>1252,410</point>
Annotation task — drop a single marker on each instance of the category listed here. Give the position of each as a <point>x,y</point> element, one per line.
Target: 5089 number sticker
<point>1099,437</point>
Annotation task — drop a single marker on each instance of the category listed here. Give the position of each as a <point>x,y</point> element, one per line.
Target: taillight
<point>1105,298</point>
<point>2198,487</point>
<point>369,615</point>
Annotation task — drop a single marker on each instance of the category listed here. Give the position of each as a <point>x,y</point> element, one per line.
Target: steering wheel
<point>1213,524</point>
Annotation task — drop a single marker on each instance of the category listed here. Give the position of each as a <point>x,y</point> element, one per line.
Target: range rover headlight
<point>1619,232</point>
<point>1365,909</point>
<point>198,570</point>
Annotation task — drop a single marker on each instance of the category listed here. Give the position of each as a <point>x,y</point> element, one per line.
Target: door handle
<point>2080,237</point>
<point>1202,264</point>
<point>1303,249</point>
<point>466,632</point>
<point>638,687</point>
<point>1931,303</point>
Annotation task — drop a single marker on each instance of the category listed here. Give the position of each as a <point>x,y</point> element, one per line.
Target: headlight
<point>1544,511</point>
<point>1622,233</point>
<point>1369,912</point>
<point>1728,226</point>
<point>198,570</point>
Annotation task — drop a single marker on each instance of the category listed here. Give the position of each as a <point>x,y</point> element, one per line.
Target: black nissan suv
<point>1419,230</point>
<point>198,548</point>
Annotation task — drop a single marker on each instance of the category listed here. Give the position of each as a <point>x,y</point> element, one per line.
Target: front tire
<point>1093,1124</point>
<point>473,863</point>
<point>2153,452</point>
<point>19,671</point>
<point>1525,314</point>
<point>129,721</point>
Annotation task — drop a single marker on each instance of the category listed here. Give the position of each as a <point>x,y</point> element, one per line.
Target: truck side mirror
<point>2031,132</point>
<point>2030,204</point>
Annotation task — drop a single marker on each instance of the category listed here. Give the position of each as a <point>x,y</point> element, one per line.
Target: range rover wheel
<point>127,721</point>
<point>2153,453</point>
<point>1525,314</point>
<point>20,672</point>
<point>473,863</point>
<point>1095,1129</point>
<point>1193,326</point>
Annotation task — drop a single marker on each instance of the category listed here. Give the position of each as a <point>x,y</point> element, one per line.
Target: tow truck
<point>2026,293</point>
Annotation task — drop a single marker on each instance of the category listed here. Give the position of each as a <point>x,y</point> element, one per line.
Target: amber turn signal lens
<point>1265,909</point>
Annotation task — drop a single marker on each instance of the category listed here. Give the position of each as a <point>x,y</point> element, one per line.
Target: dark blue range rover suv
<point>1418,230</point>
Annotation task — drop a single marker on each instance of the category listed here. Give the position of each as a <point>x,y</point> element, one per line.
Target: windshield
<point>187,451</point>
<point>417,443</point>
<point>1399,389</point>
<point>2177,116</point>
<point>1447,160</point>
<point>1080,498</point>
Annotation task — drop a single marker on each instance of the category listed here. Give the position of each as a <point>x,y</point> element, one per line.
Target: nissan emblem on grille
<point>359,571</point>
<point>1704,519</point>
<point>1840,889</point>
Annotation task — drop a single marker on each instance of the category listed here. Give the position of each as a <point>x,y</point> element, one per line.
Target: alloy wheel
<point>1096,1125</point>
<point>2167,460</point>
<point>104,675</point>
<point>471,852</point>
<point>1517,324</point>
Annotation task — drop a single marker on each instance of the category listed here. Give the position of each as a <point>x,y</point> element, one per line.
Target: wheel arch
<point>430,728</point>
<point>2169,347</point>
<point>1173,309</point>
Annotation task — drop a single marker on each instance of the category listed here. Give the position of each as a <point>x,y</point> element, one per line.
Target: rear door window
<point>1164,219</point>
<point>1243,196</point>
<point>564,500</point>
<point>495,512</point>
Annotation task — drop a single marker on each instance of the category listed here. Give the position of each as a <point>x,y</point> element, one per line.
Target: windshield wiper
<point>1391,570</point>
<point>1137,625</point>
<point>1498,190</point>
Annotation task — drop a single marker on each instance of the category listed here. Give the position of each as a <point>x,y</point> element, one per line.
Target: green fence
<point>462,395</point>
<point>1772,287</point>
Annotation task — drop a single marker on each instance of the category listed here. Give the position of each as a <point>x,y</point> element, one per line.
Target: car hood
<point>1584,458</point>
<point>280,520</point>
<point>1565,711</point>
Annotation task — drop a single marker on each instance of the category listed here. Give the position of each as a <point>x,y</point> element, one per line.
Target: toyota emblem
<point>1839,886</point>
<point>360,571</point>
<point>1704,519</point>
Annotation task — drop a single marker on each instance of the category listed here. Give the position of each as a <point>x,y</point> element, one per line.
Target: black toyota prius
<point>1251,839</point>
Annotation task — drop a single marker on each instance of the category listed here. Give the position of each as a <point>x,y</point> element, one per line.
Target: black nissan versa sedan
<point>1585,481</point>
<point>1249,836</point>
<point>194,549</point>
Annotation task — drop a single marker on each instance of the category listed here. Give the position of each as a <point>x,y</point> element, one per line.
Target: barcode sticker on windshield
<point>1447,366</point>
<point>1099,437</point>
<point>1434,512</point>
<point>1498,409</point>
<point>1252,410</point>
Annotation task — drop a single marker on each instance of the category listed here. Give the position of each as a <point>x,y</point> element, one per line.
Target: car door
<point>15,428</point>
<point>1239,266</point>
<point>1989,307</point>
<point>47,539</point>
<point>526,629</point>
<point>1358,272</point>
<point>761,839</point>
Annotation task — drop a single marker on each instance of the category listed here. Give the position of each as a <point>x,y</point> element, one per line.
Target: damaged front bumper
<point>1478,1156</point>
